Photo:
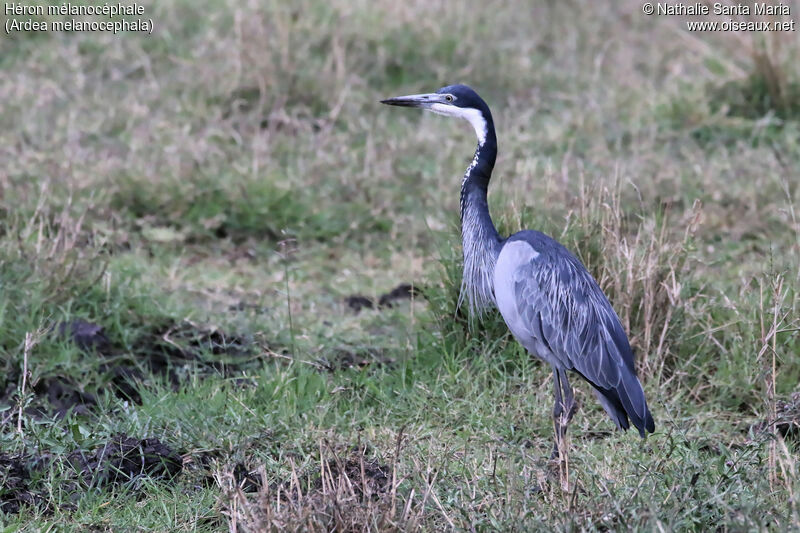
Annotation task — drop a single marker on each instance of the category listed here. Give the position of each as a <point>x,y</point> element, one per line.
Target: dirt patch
<point>248,480</point>
<point>404,291</point>
<point>246,306</point>
<point>347,493</point>
<point>172,350</point>
<point>357,302</point>
<point>87,336</point>
<point>199,469</point>
<point>597,434</point>
<point>362,477</point>
<point>53,396</point>
<point>121,460</point>
<point>369,479</point>
<point>124,459</point>
<point>15,478</point>
<point>62,395</point>
<point>178,350</point>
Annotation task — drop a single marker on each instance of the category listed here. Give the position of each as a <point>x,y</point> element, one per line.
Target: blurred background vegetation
<point>191,221</point>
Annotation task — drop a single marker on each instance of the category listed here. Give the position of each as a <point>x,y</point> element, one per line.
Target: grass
<point>211,195</point>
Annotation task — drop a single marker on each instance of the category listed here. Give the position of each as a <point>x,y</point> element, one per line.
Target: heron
<point>548,299</point>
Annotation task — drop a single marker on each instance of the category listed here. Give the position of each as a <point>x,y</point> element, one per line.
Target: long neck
<point>480,240</point>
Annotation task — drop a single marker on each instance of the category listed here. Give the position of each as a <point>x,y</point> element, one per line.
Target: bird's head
<point>452,101</point>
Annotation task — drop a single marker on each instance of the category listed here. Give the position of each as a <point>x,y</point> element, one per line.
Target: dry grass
<point>346,491</point>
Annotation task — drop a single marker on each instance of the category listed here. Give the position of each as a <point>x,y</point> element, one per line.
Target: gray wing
<point>557,311</point>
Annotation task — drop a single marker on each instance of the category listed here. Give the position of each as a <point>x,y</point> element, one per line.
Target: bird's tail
<point>625,401</point>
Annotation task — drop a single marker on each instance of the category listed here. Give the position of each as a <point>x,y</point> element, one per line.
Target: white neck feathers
<point>470,114</point>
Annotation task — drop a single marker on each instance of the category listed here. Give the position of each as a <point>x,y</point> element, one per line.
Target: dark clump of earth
<point>169,352</point>
<point>368,479</point>
<point>338,493</point>
<point>172,350</point>
<point>86,335</point>
<point>120,460</point>
<point>176,351</point>
<point>15,479</point>
<point>53,396</point>
<point>374,481</point>
<point>63,394</point>
<point>200,467</point>
<point>404,291</point>
<point>357,302</point>
<point>124,459</point>
<point>247,480</point>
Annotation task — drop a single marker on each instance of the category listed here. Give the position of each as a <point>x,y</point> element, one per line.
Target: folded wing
<point>558,312</point>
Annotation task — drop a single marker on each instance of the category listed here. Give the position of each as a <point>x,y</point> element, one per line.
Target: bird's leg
<point>558,409</point>
<point>563,410</point>
<point>569,399</point>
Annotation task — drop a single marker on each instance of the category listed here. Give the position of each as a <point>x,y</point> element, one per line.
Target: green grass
<point>211,194</point>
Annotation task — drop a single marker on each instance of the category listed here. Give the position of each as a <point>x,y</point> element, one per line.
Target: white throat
<point>470,114</point>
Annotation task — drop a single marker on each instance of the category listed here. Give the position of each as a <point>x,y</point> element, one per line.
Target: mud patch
<point>597,434</point>
<point>53,395</point>
<point>175,351</point>
<point>404,291</point>
<point>200,468</point>
<point>124,459</point>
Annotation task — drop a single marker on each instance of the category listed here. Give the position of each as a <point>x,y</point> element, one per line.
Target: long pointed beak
<point>415,100</point>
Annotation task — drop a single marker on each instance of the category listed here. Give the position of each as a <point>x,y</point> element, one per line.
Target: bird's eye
<point>449,97</point>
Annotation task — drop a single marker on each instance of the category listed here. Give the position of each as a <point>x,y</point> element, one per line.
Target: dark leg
<point>563,410</point>
<point>569,398</point>
<point>558,410</point>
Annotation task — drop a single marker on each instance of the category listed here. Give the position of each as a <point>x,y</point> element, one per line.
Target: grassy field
<point>189,221</point>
